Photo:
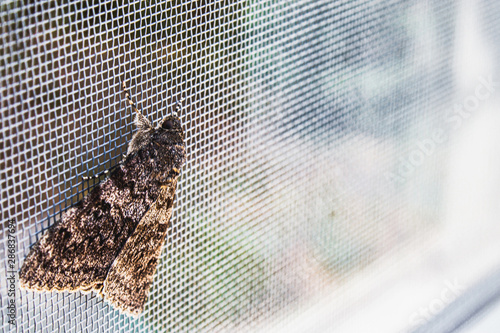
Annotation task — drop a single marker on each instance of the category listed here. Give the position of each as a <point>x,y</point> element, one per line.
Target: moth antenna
<point>130,101</point>
<point>178,106</point>
<point>140,119</point>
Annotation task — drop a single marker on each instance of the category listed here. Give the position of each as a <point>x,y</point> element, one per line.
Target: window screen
<point>332,183</point>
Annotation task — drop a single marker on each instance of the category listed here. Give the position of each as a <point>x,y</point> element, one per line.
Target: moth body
<point>111,240</point>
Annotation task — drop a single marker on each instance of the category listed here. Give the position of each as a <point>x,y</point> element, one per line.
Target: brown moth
<point>111,240</point>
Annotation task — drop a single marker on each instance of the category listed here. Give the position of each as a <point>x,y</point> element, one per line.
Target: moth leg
<point>100,174</point>
<point>174,172</point>
<point>169,177</point>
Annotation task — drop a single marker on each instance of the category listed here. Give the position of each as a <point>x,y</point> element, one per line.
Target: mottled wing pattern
<point>110,242</point>
<point>130,277</point>
<point>77,252</point>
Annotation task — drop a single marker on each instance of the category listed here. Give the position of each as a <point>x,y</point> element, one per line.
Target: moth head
<point>169,130</point>
<point>170,126</point>
<point>168,141</point>
<point>170,123</point>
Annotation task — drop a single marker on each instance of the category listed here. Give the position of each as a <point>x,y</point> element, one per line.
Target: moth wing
<point>77,252</point>
<point>128,282</point>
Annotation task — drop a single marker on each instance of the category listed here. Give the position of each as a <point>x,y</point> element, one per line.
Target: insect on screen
<point>340,158</point>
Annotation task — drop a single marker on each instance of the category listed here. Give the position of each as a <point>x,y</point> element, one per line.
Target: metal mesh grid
<point>294,113</point>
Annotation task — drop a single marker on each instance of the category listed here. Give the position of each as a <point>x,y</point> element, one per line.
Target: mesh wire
<point>295,117</point>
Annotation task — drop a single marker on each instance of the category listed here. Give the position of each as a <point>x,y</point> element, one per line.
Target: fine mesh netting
<point>319,147</point>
